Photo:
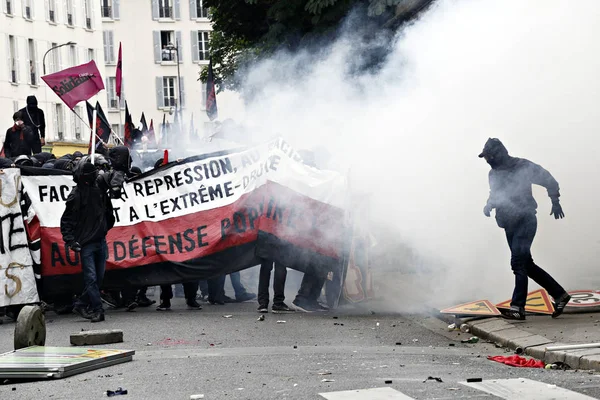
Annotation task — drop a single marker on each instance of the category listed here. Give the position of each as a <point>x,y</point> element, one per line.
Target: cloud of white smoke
<point>524,72</point>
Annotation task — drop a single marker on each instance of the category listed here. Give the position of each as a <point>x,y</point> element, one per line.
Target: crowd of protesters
<point>88,216</point>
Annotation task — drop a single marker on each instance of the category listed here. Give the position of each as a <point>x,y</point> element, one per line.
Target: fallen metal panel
<point>58,362</point>
<point>525,389</point>
<point>384,393</point>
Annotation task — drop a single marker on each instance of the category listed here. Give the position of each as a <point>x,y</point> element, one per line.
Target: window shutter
<point>194,40</point>
<point>8,59</point>
<point>23,4</point>
<point>66,10</point>
<point>47,10</point>
<point>17,66</point>
<point>105,43</point>
<point>73,11</point>
<point>179,46</point>
<point>60,59</point>
<point>56,13</point>
<point>92,14</point>
<point>157,48</point>
<point>107,86</point>
<point>177,9</point>
<point>160,102</point>
<point>116,9</point>
<point>155,9</point>
<point>36,58</point>
<point>193,10</point>
<point>122,98</point>
<point>182,100</point>
<point>111,46</point>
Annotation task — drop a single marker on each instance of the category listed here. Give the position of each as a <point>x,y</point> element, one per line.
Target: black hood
<point>32,102</point>
<point>120,158</point>
<point>495,153</point>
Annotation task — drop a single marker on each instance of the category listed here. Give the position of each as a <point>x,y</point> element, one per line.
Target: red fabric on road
<point>517,361</point>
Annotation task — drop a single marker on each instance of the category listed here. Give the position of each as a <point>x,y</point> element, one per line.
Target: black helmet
<point>24,161</point>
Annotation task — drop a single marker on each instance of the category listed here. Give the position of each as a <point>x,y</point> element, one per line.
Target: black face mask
<point>89,178</point>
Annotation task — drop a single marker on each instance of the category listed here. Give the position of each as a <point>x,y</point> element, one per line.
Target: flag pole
<point>94,117</point>
<point>90,128</point>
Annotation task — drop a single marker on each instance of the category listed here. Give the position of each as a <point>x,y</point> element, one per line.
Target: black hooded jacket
<point>510,185</point>
<point>19,141</point>
<point>34,118</point>
<point>88,214</point>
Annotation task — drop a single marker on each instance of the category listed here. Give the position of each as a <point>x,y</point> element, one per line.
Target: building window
<point>27,12</point>
<point>59,120</point>
<point>90,55</point>
<point>111,92</point>
<point>52,11</point>
<point>70,13</point>
<point>54,57</point>
<point>13,60</point>
<point>76,123</point>
<point>88,14</point>
<point>165,9</point>
<point>73,55</point>
<point>8,4</point>
<point>203,50</point>
<point>106,7</point>
<point>167,38</point>
<point>169,97</point>
<point>109,47</point>
<point>201,11</point>
<point>31,51</point>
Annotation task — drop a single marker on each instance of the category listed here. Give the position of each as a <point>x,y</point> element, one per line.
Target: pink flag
<point>75,84</point>
<point>119,73</point>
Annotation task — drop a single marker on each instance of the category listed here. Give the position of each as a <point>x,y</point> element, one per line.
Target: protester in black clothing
<point>264,279</point>
<point>87,218</point>
<point>6,163</point>
<point>190,288</point>
<point>19,139</point>
<point>33,117</point>
<point>511,196</point>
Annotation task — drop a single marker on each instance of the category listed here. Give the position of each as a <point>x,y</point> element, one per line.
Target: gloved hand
<point>487,210</point>
<point>557,210</point>
<point>75,246</point>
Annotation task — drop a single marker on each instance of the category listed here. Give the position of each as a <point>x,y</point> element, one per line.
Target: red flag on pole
<point>75,84</point>
<point>119,77</point>
<point>211,94</point>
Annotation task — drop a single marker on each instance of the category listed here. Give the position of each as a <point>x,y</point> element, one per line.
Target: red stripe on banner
<point>33,229</point>
<point>271,208</point>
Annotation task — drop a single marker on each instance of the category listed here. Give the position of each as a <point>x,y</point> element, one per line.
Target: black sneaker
<point>193,305</point>
<point>98,317</point>
<point>131,306</point>
<point>82,312</point>
<point>303,307</point>
<point>109,300</point>
<point>514,315</point>
<point>216,302</point>
<point>263,309</point>
<point>144,301</point>
<point>559,307</point>
<point>164,306</point>
<point>281,308</point>
<point>245,297</point>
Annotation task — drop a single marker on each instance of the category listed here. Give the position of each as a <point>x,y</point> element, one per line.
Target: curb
<point>523,342</point>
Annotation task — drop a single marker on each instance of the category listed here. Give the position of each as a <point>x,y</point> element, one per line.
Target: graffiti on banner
<point>17,282</point>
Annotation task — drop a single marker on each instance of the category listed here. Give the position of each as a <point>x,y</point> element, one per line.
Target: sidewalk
<point>533,336</point>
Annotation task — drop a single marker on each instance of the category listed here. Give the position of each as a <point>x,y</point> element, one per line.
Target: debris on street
<point>518,361</point>
<point>119,392</point>
<point>281,322</point>
<point>472,339</point>
<point>433,378</point>
<point>261,318</point>
<point>328,380</point>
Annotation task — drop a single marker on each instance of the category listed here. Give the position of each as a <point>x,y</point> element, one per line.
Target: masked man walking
<point>33,117</point>
<point>19,139</point>
<point>511,196</point>
<point>87,218</point>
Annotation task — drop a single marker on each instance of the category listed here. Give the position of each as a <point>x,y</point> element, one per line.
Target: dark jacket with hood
<point>19,141</point>
<point>510,183</point>
<point>34,118</point>
<point>88,214</point>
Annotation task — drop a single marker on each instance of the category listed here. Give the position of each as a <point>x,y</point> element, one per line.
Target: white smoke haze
<point>525,72</point>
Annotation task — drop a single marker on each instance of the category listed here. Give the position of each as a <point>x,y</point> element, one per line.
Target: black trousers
<point>190,289</point>
<point>278,283</point>
<point>520,233</point>
<point>310,289</point>
<point>216,289</point>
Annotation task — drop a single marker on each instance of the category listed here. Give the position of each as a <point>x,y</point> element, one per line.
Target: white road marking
<point>525,389</point>
<point>384,393</point>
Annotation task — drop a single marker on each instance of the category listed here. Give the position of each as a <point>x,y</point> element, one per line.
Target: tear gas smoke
<point>409,135</point>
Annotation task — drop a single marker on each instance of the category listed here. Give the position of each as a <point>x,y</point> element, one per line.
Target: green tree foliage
<point>246,30</point>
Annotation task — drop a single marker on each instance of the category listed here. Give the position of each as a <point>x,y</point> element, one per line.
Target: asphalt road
<point>181,353</point>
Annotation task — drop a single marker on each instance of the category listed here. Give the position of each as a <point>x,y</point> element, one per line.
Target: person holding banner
<point>87,218</point>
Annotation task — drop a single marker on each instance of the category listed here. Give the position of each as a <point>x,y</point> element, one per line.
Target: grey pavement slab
<point>96,337</point>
